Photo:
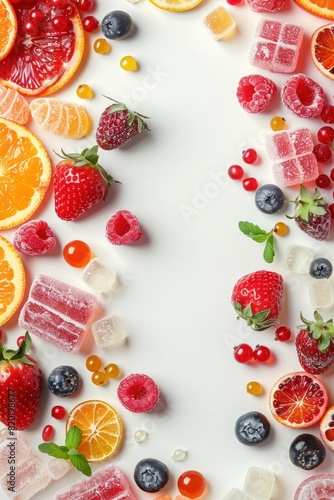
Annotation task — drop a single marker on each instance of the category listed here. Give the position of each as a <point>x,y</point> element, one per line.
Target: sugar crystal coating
<point>316,487</point>
<point>259,483</point>
<point>303,96</point>
<point>266,5</point>
<point>218,23</point>
<point>255,92</point>
<point>21,449</point>
<point>297,258</point>
<point>58,312</point>
<point>58,467</point>
<point>35,237</point>
<point>320,293</point>
<point>236,494</point>
<point>100,278</point>
<point>108,331</point>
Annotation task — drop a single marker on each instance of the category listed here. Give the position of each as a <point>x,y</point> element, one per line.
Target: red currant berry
<point>84,5</point>
<point>68,12</point>
<point>327,113</point>
<point>323,181</point>
<point>331,209</point>
<point>282,334</point>
<point>261,353</point>
<point>249,156</point>
<point>58,412</point>
<point>15,1</point>
<point>235,172</point>
<point>243,353</point>
<point>233,2</point>
<point>31,28</point>
<point>47,433</point>
<point>250,184</point>
<point>59,23</point>
<point>36,16</point>
<point>326,134</point>
<point>322,152</point>
<point>59,4</point>
<point>19,340</point>
<point>90,24</point>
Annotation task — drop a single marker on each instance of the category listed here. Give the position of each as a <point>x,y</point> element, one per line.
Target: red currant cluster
<point>89,23</point>
<point>236,172</point>
<point>101,377</point>
<point>244,353</point>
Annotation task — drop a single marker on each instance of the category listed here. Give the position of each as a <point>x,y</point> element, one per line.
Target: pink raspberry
<point>138,393</point>
<point>34,238</point>
<point>303,96</point>
<point>123,228</point>
<point>265,5</point>
<point>255,92</point>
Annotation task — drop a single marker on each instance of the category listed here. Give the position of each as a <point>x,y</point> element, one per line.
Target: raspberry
<point>265,5</point>
<point>255,92</point>
<point>123,228</point>
<point>303,96</point>
<point>34,238</point>
<point>138,393</point>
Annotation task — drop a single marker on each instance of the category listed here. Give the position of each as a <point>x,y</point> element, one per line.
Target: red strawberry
<point>20,386</point>
<point>312,214</point>
<point>314,346</point>
<point>257,298</point>
<point>79,183</point>
<point>117,125</point>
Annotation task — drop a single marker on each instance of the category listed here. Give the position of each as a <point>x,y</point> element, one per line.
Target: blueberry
<point>307,451</point>
<point>252,428</point>
<point>116,25</point>
<point>151,475</point>
<point>63,381</point>
<point>321,268</point>
<point>269,198</point>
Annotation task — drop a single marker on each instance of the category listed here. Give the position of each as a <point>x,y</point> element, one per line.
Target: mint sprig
<point>259,235</point>
<point>69,451</point>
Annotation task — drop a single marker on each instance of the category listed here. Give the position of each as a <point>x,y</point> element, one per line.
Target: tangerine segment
<point>25,173</point>
<point>101,426</point>
<point>8,28</point>
<point>46,61</point>
<point>298,400</point>
<point>12,280</point>
<point>176,5</point>
<point>322,8</point>
<point>322,50</point>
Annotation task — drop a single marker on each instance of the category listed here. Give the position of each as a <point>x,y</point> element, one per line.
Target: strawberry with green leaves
<point>314,344</point>
<point>257,298</point>
<point>20,386</point>
<point>79,183</point>
<point>117,125</point>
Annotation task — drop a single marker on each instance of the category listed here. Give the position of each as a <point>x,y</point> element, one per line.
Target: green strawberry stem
<point>319,330</point>
<point>10,355</point>
<point>258,321</point>
<point>120,106</point>
<point>307,204</point>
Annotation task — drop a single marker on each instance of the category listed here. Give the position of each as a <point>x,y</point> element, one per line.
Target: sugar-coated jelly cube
<point>320,293</point>
<point>236,494</point>
<point>58,467</point>
<point>297,258</point>
<point>9,448</point>
<point>259,483</point>
<point>108,331</point>
<point>219,22</point>
<point>100,278</point>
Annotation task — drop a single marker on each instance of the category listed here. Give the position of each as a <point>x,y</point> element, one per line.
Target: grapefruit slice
<point>322,50</point>
<point>298,400</point>
<point>12,280</point>
<point>8,28</point>
<point>327,428</point>
<point>322,8</point>
<point>44,61</point>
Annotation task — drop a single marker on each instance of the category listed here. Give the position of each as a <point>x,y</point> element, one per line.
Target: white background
<point>175,302</point>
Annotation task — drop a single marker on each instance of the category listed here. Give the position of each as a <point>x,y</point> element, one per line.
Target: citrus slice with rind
<point>44,62</point>
<point>176,5</point>
<point>327,428</point>
<point>12,280</point>
<point>101,426</point>
<point>322,8</point>
<point>8,28</point>
<point>298,400</point>
<point>322,49</point>
<point>25,173</point>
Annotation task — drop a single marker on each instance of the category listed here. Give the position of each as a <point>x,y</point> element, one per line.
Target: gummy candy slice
<point>316,487</point>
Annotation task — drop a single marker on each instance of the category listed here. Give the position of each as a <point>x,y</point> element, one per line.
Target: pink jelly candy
<point>276,46</point>
<point>58,313</point>
<point>265,5</point>
<point>316,487</point>
<point>107,483</point>
<point>293,159</point>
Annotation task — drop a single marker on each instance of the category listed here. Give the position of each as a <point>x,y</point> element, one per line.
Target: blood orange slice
<point>298,400</point>
<point>327,428</point>
<point>42,61</point>
<point>322,8</point>
<point>322,49</point>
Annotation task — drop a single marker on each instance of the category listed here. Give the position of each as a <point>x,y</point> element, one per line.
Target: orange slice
<point>12,280</point>
<point>13,105</point>
<point>25,172</point>
<point>176,5</point>
<point>45,61</point>
<point>101,426</point>
<point>322,50</point>
<point>298,400</point>
<point>322,8</point>
<point>8,28</point>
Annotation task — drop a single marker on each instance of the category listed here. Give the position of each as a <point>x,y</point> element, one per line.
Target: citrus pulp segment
<point>298,400</point>
<point>101,426</point>
<point>8,28</point>
<point>25,173</point>
<point>176,5</point>
<point>322,8</point>
<point>12,280</point>
<point>45,61</point>
<point>322,50</point>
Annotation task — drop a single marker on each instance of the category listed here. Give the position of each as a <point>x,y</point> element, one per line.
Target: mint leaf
<point>73,437</point>
<point>54,450</point>
<point>253,231</point>
<point>80,462</point>
<point>269,251</point>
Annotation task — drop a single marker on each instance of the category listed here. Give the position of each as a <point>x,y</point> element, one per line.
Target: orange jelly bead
<point>99,378</point>
<point>191,484</point>
<point>77,253</point>
<point>112,370</point>
<point>93,363</point>
<point>85,92</point>
<point>101,46</point>
<point>129,63</point>
<point>254,388</point>
<point>280,228</point>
